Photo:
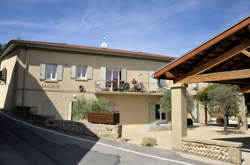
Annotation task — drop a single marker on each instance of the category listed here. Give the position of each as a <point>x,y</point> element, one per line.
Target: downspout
<point>24,74</point>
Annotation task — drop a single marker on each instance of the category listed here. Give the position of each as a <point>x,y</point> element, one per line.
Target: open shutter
<point>124,75</point>
<point>103,77</point>
<point>151,112</point>
<point>70,110</point>
<point>73,71</point>
<point>60,72</point>
<point>152,82</point>
<point>42,71</point>
<point>90,72</point>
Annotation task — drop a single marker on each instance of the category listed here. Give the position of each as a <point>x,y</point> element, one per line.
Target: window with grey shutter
<point>73,71</point>
<point>90,72</point>
<point>42,71</point>
<point>60,72</point>
<point>124,75</point>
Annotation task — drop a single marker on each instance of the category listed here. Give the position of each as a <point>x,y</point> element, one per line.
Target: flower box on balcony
<point>104,117</point>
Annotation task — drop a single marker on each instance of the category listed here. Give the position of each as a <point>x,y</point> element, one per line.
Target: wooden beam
<point>204,46</point>
<point>246,91</point>
<point>218,76</point>
<point>216,61</point>
<point>245,52</point>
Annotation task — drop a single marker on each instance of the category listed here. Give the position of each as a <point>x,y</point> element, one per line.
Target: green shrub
<point>83,106</point>
<point>147,141</point>
<point>80,109</point>
<point>100,105</point>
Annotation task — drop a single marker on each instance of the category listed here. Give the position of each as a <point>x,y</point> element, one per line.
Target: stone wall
<point>215,149</point>
<point>88,129</point>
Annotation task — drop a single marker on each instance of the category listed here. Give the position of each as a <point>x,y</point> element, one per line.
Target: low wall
<point>88,129</point>
<point>215,149</point>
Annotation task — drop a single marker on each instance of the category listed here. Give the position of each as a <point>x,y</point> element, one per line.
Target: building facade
<point>49,77</point>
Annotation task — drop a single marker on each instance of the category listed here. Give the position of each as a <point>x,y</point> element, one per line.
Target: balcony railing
<point>128,86</point>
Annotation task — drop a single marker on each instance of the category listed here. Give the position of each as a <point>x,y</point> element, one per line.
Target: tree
<point>202,98</point>
<point>166,106</point>
<point>224,98</point>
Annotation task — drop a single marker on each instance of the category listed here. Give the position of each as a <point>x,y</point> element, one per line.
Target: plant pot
<point>103,118</point>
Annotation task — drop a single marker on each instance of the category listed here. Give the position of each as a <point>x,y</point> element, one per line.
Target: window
<point>81,72</point>
<point>158,114</point>
<point>113,77</point>
<point>51,72</point>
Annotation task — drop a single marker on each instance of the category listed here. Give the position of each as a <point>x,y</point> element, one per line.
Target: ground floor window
<point>158,114</point>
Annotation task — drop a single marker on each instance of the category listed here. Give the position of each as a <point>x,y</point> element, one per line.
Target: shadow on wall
<point>36,146</point>
<point>244,140</point>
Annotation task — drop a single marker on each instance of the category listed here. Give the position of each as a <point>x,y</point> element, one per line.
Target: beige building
<point>48,77</point>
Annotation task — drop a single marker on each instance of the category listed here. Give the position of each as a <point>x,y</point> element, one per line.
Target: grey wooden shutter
<point>124,75</point>
<point>60,72</point>
<point>73,71</point>
<point>90,72</point>
<point>42,71</point>
<point>152,82</point>
<point>151,112</point>
<point>103,77</point>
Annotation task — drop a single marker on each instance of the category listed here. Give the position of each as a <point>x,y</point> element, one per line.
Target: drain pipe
<point>24,74</point>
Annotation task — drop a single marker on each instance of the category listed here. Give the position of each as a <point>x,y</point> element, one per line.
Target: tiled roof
<point>89,48</point>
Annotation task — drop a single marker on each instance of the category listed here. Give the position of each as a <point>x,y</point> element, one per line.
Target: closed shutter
<point>151,112</point>
<point>42,71</point>
<point>152,82</point>
<point>73,71</point>
<point>124,75</point>
<point>90,72</point>
<point>60,72</point>
<point>103,77</point>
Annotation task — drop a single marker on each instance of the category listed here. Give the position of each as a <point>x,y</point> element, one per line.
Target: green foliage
<point>83,106</point>
<point>80,109</point>
<point>202,95</point>
<point>224,98</point>
<point>101,104</point>
<point>165,102</point>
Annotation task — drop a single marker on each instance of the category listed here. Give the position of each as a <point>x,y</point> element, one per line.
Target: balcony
<point>129,87</point>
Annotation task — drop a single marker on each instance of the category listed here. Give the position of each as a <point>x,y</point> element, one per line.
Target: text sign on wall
<point>55,86</point>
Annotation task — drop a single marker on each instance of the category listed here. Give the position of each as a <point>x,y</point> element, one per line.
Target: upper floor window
<point>81,72</point>
<point>51,72</point>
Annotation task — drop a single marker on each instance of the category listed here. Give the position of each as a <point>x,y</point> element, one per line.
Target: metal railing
<point>128,86</point>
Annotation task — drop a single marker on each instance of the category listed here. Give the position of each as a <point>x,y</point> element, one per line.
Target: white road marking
<point>94,142</point>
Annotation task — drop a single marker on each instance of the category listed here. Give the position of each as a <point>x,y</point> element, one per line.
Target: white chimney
<point>104,43</point>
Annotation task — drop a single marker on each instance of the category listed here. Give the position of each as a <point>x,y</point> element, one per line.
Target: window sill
<point>51,81</point>
<point>81,79</point>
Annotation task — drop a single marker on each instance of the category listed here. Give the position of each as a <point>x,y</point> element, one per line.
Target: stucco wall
<point>52,98</point>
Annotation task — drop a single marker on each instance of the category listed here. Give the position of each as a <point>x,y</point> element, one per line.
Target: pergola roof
<point>223,59</point>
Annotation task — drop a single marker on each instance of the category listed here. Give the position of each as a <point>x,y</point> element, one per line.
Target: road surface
<point>22,143</point>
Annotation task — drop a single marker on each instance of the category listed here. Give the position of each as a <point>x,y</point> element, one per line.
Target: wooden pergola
<point>223,59</point>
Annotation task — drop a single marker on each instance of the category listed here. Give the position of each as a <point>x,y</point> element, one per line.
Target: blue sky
<point>168,27</point>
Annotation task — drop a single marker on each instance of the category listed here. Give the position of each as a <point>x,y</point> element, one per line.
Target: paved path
<point>25,144</point>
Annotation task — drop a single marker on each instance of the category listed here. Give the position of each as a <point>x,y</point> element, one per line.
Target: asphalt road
<point>22,143</point>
